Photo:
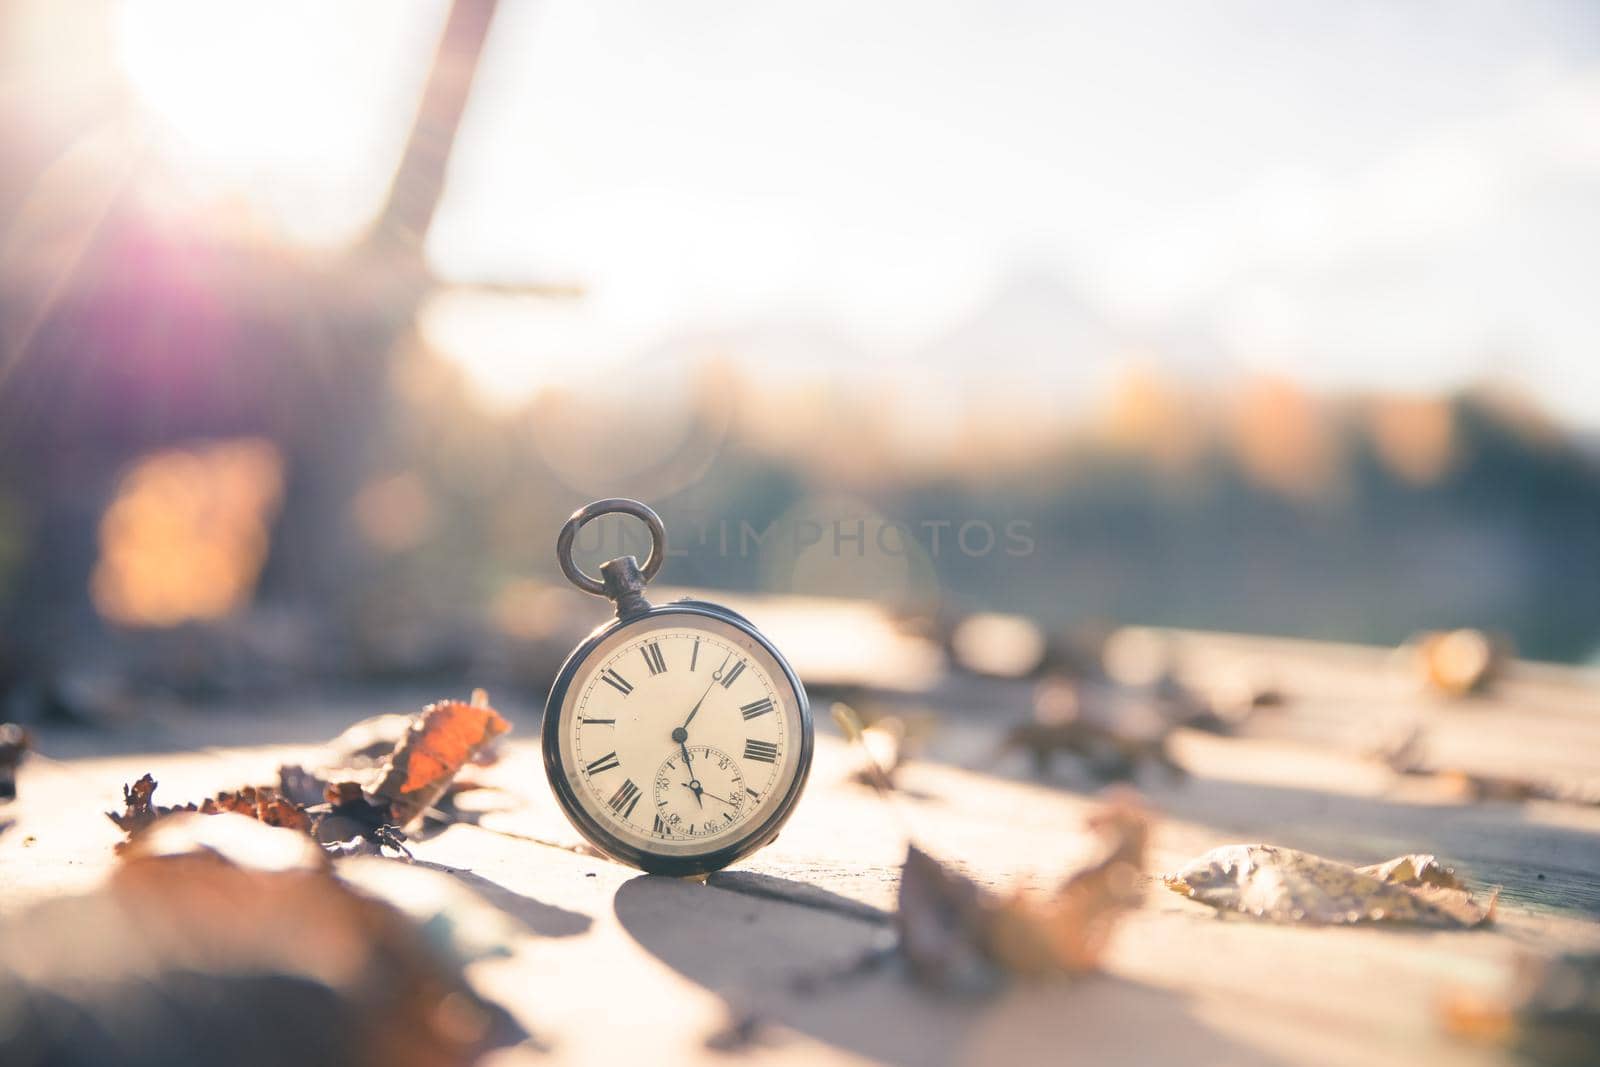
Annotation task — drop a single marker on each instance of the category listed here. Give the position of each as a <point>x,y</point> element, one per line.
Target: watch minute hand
<point>696,709</point>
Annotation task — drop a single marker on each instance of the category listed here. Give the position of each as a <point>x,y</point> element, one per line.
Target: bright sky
<point>1357,194</point>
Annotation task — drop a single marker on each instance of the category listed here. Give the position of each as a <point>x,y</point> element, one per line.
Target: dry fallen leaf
<point>357,824</point>
<point>741,1034</point>
<point>943,921</point>
<point>1110,731</point>
<point>957,935</point>
<point>1413,869</point>
<point>1406,754</point>
<point>1286,885</point>
<point>1225,705</point>
<point>442,740</point>
<point>300,785</point>
<point>222,940</point>
<point>1068,932</point>
<point>138,811</point>
<point>344,816</point>
<point>1552,1015</point>
<point>13,746</point>
<point>263,804</point>
<point>369,742</point>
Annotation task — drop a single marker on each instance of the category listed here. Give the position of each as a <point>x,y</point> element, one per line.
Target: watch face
<point>678,736</point>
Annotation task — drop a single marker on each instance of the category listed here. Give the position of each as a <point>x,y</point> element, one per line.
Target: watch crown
<point>624,586</point>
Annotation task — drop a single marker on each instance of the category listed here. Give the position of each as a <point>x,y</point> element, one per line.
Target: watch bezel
<point>595,832</point>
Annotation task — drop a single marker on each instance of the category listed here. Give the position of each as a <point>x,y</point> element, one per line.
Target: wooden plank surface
<point>609,966</point>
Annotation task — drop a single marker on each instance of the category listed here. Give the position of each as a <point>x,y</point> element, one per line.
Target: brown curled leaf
<point>14,744</point>
<point>1107,731</point>
<point>1286,885</point>
<point>300,785</point>
<point>1406,754</point>
<point>137,809</point>
<point>369,742</point>
<point>740,1034</point>
<point>443,739</point>
<point>263,804</point>
<point>343,816</point>
<point>1551,1014</point>
<point>357,823</point>
<point>957,935</point>
<point>1068,933</point>
<point>943,921</point>
<point>1415,869</point>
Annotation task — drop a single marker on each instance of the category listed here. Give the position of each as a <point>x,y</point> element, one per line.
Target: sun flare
<point>294,107</point>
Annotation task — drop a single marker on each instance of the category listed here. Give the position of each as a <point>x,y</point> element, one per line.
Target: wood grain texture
<point>611,966</point>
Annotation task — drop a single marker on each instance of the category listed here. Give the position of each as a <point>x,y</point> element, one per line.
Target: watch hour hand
<point>693,785</point>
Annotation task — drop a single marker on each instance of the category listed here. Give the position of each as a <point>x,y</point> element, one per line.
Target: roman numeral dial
<point>625,799</point>
<point>608,762</point>
<point>731,674</point>
<point>676,738</point>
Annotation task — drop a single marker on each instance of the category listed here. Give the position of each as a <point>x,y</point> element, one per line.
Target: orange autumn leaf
<point>442,740</point>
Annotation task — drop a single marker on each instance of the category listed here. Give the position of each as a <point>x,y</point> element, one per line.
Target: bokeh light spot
<point>187,533</point>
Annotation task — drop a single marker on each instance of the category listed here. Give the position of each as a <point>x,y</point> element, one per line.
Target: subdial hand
<point>700,790</point>
<point>693,782</point>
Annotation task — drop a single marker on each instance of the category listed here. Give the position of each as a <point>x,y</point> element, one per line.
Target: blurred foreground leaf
<point>956,935</point>
<point>221,940</point>
<point>1551,1016</point>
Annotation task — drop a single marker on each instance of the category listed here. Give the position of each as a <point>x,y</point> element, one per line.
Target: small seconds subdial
<point>699,792</point>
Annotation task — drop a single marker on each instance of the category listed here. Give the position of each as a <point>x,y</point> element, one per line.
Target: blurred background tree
<point>259,424</point>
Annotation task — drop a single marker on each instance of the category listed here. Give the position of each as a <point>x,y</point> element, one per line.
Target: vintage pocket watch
<point>676,738</point>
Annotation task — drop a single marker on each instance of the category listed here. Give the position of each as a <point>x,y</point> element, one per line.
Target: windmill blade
<point>419,179</point>
<point>544,290</point>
